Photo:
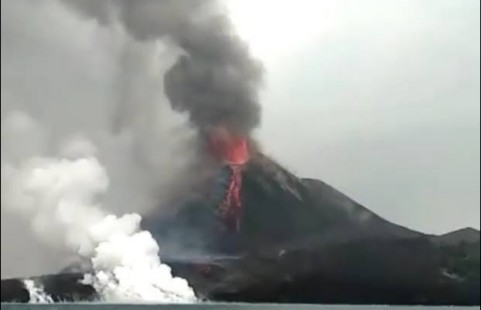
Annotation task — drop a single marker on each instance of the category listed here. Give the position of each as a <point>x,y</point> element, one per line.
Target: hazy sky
<point>378,98</point>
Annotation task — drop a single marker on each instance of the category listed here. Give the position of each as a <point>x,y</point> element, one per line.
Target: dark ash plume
<point>215,80</point>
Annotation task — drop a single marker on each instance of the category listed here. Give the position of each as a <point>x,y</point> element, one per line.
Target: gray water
<point>91,306</point>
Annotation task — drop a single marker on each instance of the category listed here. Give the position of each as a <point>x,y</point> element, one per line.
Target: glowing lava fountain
<point>230,150</point>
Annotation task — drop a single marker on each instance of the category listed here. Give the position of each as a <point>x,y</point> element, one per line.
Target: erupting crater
<point>231,151</point>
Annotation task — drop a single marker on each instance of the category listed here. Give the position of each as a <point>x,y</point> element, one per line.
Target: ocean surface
<point>93,306</point>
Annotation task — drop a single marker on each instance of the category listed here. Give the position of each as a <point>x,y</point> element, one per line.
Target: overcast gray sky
<point>379,98</point>
<point>382,102</point>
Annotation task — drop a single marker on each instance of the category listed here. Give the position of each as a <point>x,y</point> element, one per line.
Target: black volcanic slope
<point>465,235</point>
<point>279,210</point>
<point>303,241</point>
<point>278,202</point>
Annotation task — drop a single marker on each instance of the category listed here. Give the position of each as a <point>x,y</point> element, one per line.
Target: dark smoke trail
<point>215,80</point>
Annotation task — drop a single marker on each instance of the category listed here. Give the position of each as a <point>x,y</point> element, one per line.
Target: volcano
<point>300,241</point>
<point>230,150</point>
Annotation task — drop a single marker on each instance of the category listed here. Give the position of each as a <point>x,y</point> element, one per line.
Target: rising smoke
<point>86,93</point>
<point>58,82</point>
<point>62,198</point>
<point>215,80</point>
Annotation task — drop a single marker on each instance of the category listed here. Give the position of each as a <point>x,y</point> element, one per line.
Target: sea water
<point>216,306</point>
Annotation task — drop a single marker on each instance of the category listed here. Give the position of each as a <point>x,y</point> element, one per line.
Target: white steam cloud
<point>69,83</point>
<point>36,293</point>
<point>62,198</point>
<point>89,144</point>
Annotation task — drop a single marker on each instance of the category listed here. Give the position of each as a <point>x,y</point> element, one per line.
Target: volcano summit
<point>302,241</point>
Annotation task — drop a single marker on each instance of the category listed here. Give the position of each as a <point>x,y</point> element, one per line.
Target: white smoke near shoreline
<point>60,81</point>
<point>62,199</point>
<point>72,80</point>
<point>36,293</point>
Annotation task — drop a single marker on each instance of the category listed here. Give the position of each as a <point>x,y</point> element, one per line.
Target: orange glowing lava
<point>230,149</point>
<point>227,147</point>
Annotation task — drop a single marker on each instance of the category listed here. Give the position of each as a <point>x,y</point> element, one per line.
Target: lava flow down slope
<point>246,229</point>
<point>301,240</point>
<point>298,240</point>
<point>229,150</point>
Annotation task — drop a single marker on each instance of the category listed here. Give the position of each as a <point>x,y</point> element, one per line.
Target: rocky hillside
<point>302,241</point>
<point>457,237</point>
<point>279,209</point>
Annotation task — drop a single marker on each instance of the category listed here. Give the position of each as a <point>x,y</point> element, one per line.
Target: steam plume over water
<point>92,137</point>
